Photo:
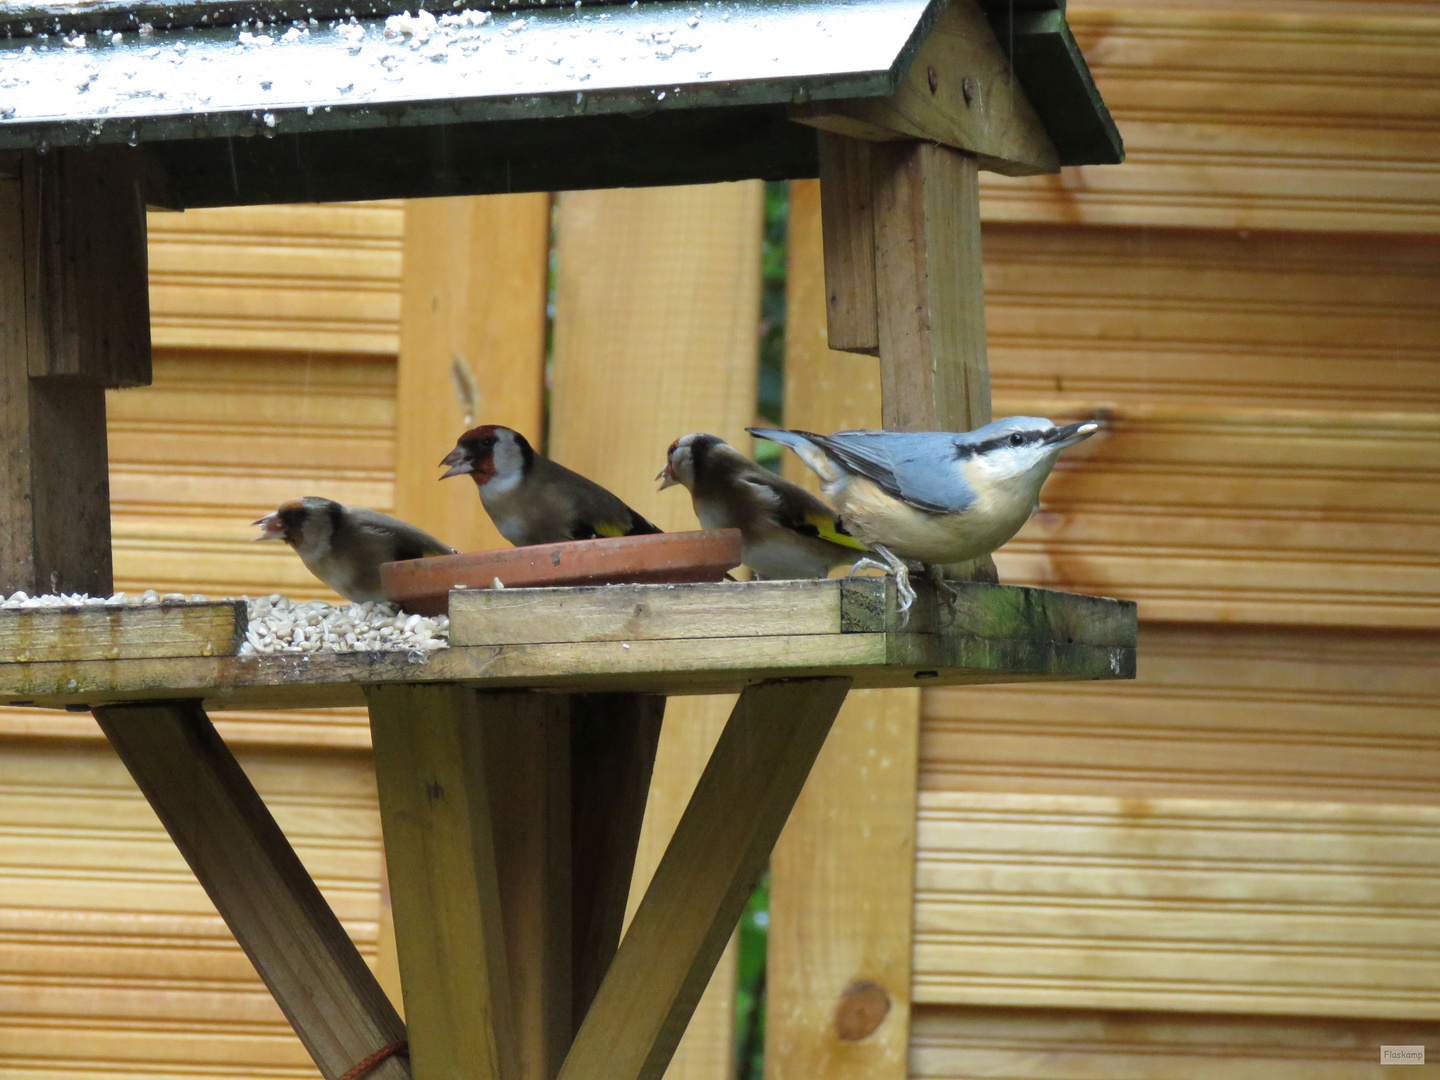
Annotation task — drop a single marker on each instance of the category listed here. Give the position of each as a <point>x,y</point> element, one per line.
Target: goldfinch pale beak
<point>272,528</point>
<point>459,463</point>
<point>1071,434</point>
<point>666,476</point>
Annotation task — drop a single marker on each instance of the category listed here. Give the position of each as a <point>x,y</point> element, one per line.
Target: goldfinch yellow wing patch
<point>829,528</point>
<point>611,528</point>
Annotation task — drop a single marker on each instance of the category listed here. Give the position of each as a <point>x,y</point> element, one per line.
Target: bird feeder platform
<point>512,766</point>
<point>655,639</point>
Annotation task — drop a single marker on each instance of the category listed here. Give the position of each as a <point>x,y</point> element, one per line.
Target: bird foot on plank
<point>936,573</point>
<point>901,572</point>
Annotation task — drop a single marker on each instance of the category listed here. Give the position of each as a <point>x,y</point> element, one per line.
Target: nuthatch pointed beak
<point>273,528</point>
<point>459,462</point>
<point>1071,434</point>
<point>666,476</point>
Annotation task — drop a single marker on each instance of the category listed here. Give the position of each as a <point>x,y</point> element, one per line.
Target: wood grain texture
<point>258,884</point>
<point>54,493</point>
<point>614,738</point>
<point>528,738</point>
<point>114,960</point>
<point>701,885</point>
<point>1193,905</point>
<point>657,301</point>
<point>1307,117</point>
<point>841,897</point>
<point>848,196</point>
<point>210,629</point>
<point>930,289</point>
<point>86,307</point>
<point>694,724</point>
<point>842,875</point>
<point>959,92</point>
<point>303,278</point>
<point>1055,1044</point>
<point>472,294</point>
<point>433,771</point>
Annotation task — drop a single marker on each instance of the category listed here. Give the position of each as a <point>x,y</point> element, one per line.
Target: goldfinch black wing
<point>407,541</point>
<point>802,513</point>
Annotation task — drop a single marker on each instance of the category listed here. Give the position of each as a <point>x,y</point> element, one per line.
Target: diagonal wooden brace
<point>258,884</point>
<point>712,863</point>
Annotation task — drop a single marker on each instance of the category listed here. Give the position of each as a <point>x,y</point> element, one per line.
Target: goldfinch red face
<point>679,464</point>
<point>489,453</point>
<point>286,523</point>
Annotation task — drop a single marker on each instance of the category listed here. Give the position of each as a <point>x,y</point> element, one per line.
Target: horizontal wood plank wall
<point>1301,114</point>
<point>1252,303</point>
<point>1054,1044</point>
<point>112,960</point>
<point>291,278</point>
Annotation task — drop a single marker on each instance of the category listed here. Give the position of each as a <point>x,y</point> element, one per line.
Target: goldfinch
<point>785,532</point>
<point>935,497</point>
<point>533,500</point>
<point>344,546</point>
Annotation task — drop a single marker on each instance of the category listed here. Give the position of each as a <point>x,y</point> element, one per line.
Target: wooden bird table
<point>513,765</point>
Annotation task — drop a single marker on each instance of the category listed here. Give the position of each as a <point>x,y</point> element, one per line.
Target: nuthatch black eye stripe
<point>1000,442</point>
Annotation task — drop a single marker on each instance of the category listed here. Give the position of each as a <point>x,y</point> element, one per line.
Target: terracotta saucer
<point>423,585</point>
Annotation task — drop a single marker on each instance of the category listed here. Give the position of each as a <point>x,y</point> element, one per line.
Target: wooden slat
<point>929,288</point>
<point>86,309</point>
<point>258,884</point>
<point>304,278</point>
<point>694,725</point>
<point>1316,117</point>
<point>613,746</point>
<point>1260,713</point>
<point>97,633</point>
<point>1200,905</point>
<point>849,225</point>
<point>1057,1044</point>
<point>657,294</point>
<point>702,883</point>
<point>104,930</point>
<point>527,738</point>
<point>960,92</point>
<point>841,911</point>
<point>432,766</point>
<point>855,820</point>
<point>473,296</point>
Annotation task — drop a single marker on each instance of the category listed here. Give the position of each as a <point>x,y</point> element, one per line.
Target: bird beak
<point>1071,434</point>
<point>273,528</point>
<point>459,463</point>
<point>666,476</point>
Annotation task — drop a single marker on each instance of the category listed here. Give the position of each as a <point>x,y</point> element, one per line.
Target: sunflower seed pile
<point>281,625</point>
<point>278,624</point>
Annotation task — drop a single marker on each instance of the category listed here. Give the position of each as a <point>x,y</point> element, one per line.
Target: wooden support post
<point>614,738</point>
<point>74,320</point>
<point>928,282</point>
<point>258,884</point>
<point>434,776</point>
<point>842,877</point>
<point>699,889</point>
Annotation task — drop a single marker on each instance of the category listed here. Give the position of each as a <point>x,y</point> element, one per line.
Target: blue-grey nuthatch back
<point>934,497</point>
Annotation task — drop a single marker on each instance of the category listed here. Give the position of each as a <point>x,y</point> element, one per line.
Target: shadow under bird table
<point>512,765</point>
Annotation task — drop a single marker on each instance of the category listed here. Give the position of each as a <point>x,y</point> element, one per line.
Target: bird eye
<point>1017,439</point>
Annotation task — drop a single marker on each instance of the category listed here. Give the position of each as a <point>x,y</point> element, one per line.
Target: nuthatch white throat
<point>344,546</point>
<point>533,500</point>
<point>934,497</point>
<point>785,532</point>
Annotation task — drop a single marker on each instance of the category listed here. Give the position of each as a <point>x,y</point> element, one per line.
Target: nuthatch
<point>785,532</point>
<point>934,497</point>
<point>533,500</point>
<point>344,546</point>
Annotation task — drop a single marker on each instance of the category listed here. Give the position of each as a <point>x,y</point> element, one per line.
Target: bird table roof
<point>109,71</point>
